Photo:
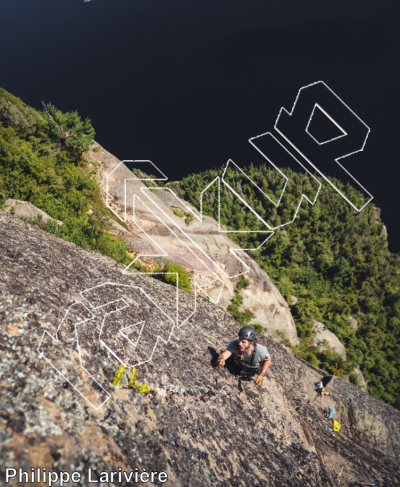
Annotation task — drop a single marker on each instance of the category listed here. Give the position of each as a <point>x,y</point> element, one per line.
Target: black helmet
<point>248,333</point>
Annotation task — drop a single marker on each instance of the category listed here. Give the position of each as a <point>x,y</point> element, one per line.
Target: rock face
<point>24,209</point>
<point>203,427</point>
<point>203,251</point>
<point>385,234</point>
<point>354,322</point>
<point>362,383</point>
<point>321,333</point>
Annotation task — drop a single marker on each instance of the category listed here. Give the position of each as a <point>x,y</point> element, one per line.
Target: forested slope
<point>333,259</point>
<point>42,161</point>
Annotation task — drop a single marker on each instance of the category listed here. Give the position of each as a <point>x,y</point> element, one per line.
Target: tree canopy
<point>333,259</point>
<point>45,166</point>
<point>69,128</point>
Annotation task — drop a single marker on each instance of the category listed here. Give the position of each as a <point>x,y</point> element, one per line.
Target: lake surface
<point>187,83</point>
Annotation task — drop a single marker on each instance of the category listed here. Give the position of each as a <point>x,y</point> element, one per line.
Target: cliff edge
<point>204,239</point>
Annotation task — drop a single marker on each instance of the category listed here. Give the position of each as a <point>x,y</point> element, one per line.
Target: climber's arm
<point>264,369</point>
<point>265,366</point>
<point>224,356</point>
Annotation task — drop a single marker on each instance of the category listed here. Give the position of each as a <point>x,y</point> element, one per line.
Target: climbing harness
<point>247,377</point>
<point>250,367</point>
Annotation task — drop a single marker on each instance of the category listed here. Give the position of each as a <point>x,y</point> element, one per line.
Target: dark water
<point>187,83</point>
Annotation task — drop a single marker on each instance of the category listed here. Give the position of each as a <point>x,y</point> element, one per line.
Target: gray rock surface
<point>203,428</point>
<point>204,240</point>
<point>321,333</point>
<point>362,383</point>
<point>24,209</point>
<point>385,234</point>
<point>117,228</point>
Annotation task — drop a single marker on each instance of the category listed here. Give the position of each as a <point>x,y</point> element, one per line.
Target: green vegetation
<point>331,258</point>
<point>281,334</point>
<point>242,317</point>
<point>259,328</point>
<point>311,358</point>
<point>118,376</point>
<point>69,129</point>
<point>173,272</point>
<point>353,379</point>
<point>178,213</point>
<point>183,214</point>
<point>42,161</point>
<point>133,384</point>
<point>183,278</point>
<point>242,283</point>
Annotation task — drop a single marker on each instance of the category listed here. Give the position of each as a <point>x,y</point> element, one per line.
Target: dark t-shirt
<point>261,352</point>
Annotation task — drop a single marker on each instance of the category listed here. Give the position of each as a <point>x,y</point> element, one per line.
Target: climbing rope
<point>339,477</point>
<point>321,396</point>
<point>283,383</point>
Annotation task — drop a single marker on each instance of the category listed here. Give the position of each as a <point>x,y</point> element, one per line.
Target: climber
<point>253,358</point>
<point>320,386</point>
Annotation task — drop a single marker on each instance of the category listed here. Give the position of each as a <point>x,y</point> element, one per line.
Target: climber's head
<point>247,337</point>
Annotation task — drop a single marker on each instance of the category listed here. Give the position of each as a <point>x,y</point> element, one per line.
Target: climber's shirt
<point>261,353</point>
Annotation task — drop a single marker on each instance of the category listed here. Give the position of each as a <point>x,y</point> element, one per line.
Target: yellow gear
<point>220,362</point>
<point>336,426</point>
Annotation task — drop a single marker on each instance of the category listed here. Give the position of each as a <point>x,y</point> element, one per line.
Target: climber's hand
<point>220,363</point>
<point>259,379</point>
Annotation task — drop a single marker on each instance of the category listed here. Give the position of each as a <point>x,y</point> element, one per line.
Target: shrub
<point>178,213</point>
<point>69,128</point>
<point>242,283</point>
<point>183,278</point>
<point>258,328</point>
<point>312,359</point>
<point>353,379</point>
